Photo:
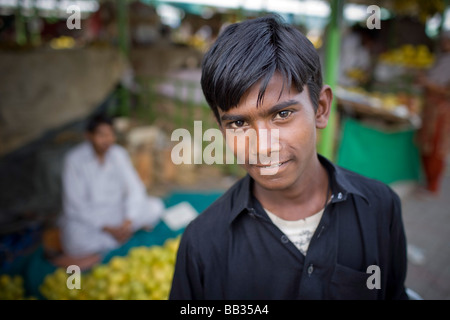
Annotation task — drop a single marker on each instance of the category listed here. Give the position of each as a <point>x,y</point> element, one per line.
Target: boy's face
<point>292,113</point>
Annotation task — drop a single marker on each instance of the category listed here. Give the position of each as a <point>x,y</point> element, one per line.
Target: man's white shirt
<point>102,194</point>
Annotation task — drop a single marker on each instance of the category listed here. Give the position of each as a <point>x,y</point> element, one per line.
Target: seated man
<point>104,200</point>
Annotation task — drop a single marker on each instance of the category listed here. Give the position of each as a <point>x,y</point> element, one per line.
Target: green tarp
<point>382,155</point>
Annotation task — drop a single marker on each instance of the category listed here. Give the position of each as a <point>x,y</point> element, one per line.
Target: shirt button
<point>284,239</point>
<point>339,195</point>
<point>310,269</point>
<point>251,213</point>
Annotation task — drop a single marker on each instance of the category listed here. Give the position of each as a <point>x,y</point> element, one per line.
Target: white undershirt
<point>300,231</point>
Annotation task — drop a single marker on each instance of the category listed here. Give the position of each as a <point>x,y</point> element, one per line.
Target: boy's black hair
<point>96,120</point>
<point>254,50</point>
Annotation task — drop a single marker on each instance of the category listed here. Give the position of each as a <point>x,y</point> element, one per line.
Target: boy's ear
<point>324,107</point>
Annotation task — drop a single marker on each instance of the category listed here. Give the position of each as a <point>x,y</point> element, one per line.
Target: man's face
<point>292,113</point>
<point>102,138</point>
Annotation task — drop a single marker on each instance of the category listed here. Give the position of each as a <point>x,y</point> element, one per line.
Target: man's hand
<point>121,233</point>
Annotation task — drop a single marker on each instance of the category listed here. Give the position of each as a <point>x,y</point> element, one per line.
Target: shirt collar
<point>341,182</point>
<point>243,199</point>
<point>341,186</point>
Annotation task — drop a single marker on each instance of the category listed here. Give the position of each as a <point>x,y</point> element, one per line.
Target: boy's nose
<point>267,143</point>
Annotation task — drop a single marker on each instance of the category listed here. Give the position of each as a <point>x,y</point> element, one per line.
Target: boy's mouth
<point>272,165</point>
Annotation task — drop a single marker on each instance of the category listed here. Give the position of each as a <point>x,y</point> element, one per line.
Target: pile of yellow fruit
<point>418,57</point>
<point>144,274</point>
<point>62,42</point>
<point>12,288</point>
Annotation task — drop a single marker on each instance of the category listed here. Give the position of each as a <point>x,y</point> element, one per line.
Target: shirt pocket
<point>350,284</point>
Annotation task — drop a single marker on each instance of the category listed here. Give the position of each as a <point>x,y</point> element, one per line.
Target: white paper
<point>179,215</point>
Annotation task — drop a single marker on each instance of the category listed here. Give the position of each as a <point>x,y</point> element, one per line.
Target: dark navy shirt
<point>233,251</point>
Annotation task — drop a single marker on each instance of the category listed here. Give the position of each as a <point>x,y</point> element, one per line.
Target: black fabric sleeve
<point>186,283</point>
<point>398,254</point>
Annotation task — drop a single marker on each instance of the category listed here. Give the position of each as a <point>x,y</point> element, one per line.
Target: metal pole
<point>326,143</point>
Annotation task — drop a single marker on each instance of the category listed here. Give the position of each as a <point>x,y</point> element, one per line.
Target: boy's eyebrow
<point>280,106</point>
<point>272,110</point>
<point>231,117</point>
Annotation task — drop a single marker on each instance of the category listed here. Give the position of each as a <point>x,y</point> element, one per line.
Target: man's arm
<point>136,191</point>
<point>121,233</point>
<point>75,200</point>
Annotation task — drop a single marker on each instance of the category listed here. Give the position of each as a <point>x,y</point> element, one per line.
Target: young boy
<point>307,229</point>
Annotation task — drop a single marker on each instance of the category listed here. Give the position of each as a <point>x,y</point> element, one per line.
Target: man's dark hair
<point>96,120</point>
<point>254,50</point>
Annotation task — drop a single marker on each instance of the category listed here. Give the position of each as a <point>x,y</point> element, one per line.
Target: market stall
<point>141,268</point>
<point>380,103</point>
<point>377,122</point>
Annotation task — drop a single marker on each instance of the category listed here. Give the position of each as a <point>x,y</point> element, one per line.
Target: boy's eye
<point>237,124</point>
<point>283,114</point>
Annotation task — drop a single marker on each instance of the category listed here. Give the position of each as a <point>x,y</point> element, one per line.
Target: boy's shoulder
<point>379,202</point>
<point>218,213</point>
<point>368,187</point>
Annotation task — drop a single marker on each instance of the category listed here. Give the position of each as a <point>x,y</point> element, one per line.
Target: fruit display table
<point>34,268</point>
<point>399,109</point>
<point>379,120</point>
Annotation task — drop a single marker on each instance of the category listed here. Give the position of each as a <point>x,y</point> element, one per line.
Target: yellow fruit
<point>409,56</point>
<point>11,287</point>
<point>145,273</point>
